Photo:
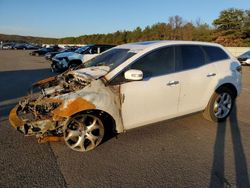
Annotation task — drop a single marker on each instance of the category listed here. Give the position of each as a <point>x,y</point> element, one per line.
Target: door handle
<point>174,82</point>
<point>211,74</point>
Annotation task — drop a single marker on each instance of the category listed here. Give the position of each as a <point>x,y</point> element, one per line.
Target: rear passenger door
<point>197,78</point>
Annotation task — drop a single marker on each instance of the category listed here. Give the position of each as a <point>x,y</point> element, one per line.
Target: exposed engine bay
<point>36,109</point>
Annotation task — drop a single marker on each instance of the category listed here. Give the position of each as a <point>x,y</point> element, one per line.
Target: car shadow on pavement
<point>15,84</point>
<point>217,178</point>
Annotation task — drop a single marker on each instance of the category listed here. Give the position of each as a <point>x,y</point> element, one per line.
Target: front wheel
<point>220,105</point>
<point>73,66</point>
<point>83,132</point>
<point>54,68</point>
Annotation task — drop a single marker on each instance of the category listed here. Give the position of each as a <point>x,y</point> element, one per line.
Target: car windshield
<point>82,49</point>
<point>111,58</point>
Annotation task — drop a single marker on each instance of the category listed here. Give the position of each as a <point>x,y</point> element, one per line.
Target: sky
<point>65,18</point>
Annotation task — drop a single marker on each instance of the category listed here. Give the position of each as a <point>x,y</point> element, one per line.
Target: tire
<point>83,132</point>
<point>220,105</point>
<point>73,65</point>
<point>54,68</point>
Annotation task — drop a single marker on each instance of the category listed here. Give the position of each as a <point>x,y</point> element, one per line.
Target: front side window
<point>215,54</point>
<point>189,57</point>
<point>156,63</point>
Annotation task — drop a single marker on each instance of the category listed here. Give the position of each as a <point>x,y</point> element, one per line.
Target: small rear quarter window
<point>215,53</point>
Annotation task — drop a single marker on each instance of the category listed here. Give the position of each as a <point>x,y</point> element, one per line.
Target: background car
<point>43,51</point>
<point>63,61</point>
<point>8,46</point>
<point>50,55</point>
<point>20,46</point>
<point>245,58</point>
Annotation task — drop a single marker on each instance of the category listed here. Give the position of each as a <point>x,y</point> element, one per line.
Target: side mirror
<point>133,74</point>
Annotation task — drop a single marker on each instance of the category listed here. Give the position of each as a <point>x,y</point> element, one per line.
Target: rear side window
<point>214,53</point>
<point>189,57</point>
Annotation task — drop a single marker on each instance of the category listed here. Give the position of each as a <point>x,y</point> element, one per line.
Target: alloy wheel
<point>83,132</point>
<point>222,105</point>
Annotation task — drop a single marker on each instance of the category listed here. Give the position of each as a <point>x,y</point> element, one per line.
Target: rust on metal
<point>77,105</point>
<point>14,120</point>
<point>45,80</point>
<point>50,139</point>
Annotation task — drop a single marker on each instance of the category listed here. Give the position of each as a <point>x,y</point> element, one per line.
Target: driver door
<point>154,98</point>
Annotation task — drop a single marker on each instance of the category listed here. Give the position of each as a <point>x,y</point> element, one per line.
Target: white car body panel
<point>233,77</point>
<point>149,101</point>
<point>92,72</point>
<point>195,92</point>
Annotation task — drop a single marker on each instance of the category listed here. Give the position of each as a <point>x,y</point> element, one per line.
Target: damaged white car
<point>129,86</point>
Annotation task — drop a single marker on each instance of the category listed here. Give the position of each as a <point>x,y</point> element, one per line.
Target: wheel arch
<point>108,120</point>
<point>75,61</point>
<point>79,106</point>
<point>229,86</point>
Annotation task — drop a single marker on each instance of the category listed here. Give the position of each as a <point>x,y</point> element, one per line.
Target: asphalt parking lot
<point>184,152</point>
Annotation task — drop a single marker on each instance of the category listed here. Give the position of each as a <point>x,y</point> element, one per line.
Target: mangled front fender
<point>68,108</point>
<point>98,97</point>
<point>45,81</point>
<point>45,112</point>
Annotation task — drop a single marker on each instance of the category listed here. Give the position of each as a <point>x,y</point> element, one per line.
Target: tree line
<point>231,28</point>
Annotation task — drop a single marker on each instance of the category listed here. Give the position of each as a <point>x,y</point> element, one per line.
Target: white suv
<point>129,86</point>
<point>65,60</point>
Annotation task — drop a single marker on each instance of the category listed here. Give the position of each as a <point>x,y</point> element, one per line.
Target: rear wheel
<point>220,105</point>
<point>83,132</point>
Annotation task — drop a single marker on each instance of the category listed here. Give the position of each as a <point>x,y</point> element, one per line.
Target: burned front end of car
<point>48,112</point>
<point>38,113</point>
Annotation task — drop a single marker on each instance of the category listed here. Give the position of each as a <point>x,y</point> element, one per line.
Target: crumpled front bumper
<point>19,125</point>
<point>27,126</point>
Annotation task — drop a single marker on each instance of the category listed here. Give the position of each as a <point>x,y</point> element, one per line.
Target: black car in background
<point>8,46</point>
<point>43,51</point>
<point>24,46</point>
<point>50,55</point>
